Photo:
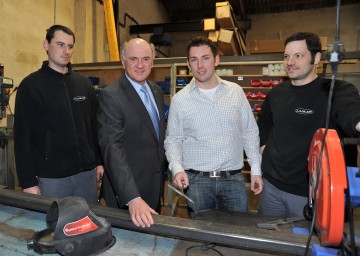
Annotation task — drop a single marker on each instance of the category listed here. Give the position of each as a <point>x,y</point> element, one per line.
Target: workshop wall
<point>89,28</point>
<point>320,21</point>
<point>141,12</point>
<point>23,28</point>
<point>23,25</point>
<point>281,25</point>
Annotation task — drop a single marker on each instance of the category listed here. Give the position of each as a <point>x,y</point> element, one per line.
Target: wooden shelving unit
<point>108,73</point>
<point>239,72</point>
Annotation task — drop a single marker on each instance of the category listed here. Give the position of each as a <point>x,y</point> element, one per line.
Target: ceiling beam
<point>167,27</point>
<point>285,3</point>
<point>192,15</point>
<point>242,10</point>
<point>179,27</point>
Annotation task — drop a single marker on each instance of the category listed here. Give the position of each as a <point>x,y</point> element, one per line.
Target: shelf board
<point>244,87</point>
<point>254,87</point>
<point>244,75</point>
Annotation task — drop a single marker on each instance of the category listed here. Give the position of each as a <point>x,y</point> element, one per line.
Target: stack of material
<point>229,37</point>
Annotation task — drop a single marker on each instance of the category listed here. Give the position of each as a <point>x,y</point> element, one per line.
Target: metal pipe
<point>185,229</point>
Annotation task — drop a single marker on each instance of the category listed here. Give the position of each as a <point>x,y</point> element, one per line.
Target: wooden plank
<point>111,31</point>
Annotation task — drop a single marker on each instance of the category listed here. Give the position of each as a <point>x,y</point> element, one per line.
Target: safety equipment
<point>75,230</point>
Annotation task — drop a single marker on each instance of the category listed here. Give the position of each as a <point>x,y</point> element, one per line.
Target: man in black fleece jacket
<point>56,148</point>
<point>290,115</point>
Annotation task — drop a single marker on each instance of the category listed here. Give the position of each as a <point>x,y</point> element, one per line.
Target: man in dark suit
<point>131,136</point>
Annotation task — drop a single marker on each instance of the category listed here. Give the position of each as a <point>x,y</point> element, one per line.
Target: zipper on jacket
<point>73,121</point>
<point>47,145</point>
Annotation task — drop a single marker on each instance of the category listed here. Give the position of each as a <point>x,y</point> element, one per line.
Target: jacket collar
<point>45,67</point>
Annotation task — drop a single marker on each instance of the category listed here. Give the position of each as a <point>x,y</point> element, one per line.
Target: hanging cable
<point>318,175</point>
<point>204,247</point>
<point>334,56</point>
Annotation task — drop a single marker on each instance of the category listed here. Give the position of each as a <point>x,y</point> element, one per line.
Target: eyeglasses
<point>136,60</point>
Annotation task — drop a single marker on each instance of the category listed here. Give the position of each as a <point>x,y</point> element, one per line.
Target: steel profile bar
<point>185,229</point>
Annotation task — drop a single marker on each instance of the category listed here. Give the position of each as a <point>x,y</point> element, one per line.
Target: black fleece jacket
<point>287,123</point>
<point>55,131</point>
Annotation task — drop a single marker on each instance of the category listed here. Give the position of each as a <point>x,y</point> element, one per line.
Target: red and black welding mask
<point>73,229</point>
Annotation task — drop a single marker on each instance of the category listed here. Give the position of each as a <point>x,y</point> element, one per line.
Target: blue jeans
<point>82,184</point>
<point>227,194</point>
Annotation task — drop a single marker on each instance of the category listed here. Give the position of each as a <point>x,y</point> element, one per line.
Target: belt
<point>215,174</point>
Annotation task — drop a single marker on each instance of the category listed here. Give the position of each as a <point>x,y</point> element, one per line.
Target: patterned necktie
<point>151,109</point>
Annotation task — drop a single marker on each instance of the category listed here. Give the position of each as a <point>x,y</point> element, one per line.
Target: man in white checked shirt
<point>210,125</point>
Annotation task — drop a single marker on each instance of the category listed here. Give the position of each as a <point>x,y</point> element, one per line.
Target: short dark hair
<point>312,40</point>
<point>51,31</point>
<point>199,41</point>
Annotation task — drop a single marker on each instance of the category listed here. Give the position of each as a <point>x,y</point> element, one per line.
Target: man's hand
<point>357,127</point>
<point>256,184</point>
<point>99,173</point>
<point>33,190</point>
<point>181,179</point>
<point>261,150</point>
<point>140,213</point>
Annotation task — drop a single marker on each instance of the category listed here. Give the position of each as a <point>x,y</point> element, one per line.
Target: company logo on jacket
<point>304,111</point>
<point>79,98</point>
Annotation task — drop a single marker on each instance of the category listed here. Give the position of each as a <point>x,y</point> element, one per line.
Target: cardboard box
<point>214,35</point>
<point>225,16</point>
<point>182,71</point>
<point>275,46</point>
<point>267,46</point>
<point>209,24</point>
<point>218,4</point>
<point>227,42</point>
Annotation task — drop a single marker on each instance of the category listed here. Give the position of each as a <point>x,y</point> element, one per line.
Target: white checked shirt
<point>207,135</point>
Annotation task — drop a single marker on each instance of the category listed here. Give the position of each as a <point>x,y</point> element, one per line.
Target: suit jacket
<point>134,158</point>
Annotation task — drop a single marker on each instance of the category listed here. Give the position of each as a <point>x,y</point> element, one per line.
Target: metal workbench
<point>21,214</point>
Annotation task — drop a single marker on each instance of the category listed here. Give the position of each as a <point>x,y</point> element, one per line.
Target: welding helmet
<point>73,230</point>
